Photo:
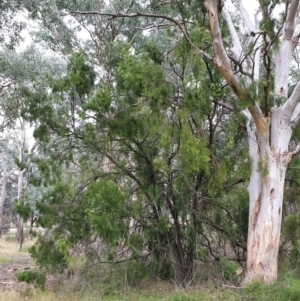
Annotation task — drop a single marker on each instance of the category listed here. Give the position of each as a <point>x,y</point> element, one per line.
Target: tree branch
<point>253,30</point>
<point>296,151</point>
<point>157,16</point>
<point>236,48</point>
<point>222,63</point>
<point>246,17</point>
<point>221,59</point>
<point>291,104</point>
<point>295,116</point>
<point>224,105</point>
<point>284,54</point>
<point>290,20</point>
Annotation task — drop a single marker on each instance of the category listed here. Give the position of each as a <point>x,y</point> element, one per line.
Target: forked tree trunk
<point>183,263</point>
<point>270,157</point>
<point>270,131</point>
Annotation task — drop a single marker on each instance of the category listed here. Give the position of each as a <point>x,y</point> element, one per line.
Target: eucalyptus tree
<point>11,23</point>
<point>19,73</point>
<point>256,69</point>
<point>7,173</point>
<point>271,117</point>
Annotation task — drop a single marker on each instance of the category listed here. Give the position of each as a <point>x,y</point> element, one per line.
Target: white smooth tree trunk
<point>270,157</point>
<point>269,131</point>
<point>19,219</point>
<point>3,193</point>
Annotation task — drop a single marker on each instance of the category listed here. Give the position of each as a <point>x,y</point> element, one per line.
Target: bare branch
<point>221,59</point>
<point>295,41</point>
<point>236,48</point>
<point>290,20</point>
<point>295,116</point>
<point>296,150</point>
<point>246,17</point>
<point>284,54</point>
<point>157,16</point>
<point>222,63</point>
<point>291,103</point>
<point>6,85</point>
<point>254,31</point>
<point>225,105</point>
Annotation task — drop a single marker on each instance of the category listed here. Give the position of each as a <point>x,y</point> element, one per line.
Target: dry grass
<point>33,295</point>
<point>9,249</point>
<point>60,288</point>
<point>12,261</point>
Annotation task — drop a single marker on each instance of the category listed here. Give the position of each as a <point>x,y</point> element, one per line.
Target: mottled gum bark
<point>269,164</point>
<point>268,149</point>
<point>264,225</point>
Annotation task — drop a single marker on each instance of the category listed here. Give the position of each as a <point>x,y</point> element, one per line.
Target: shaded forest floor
<point>76,288</point>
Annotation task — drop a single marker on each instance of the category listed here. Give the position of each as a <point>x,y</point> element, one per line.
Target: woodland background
<point>129,149</point>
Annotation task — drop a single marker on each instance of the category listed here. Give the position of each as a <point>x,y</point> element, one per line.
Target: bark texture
<point>269,133</point>
<point>269,164</point>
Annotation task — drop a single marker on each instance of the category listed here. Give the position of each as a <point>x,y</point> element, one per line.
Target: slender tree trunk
<point>270,157</point>
<point>3,193</point>
<point>21,184</point>
<point>32,219</point>
<point>20,231</point>
<point>19,219</point>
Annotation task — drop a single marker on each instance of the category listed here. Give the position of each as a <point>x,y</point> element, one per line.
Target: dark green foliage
<point>161,173</point>
<point>133,161</point>
<point>153,53</point>
<point>101,103</point>
<point>228,270</point>
<point>34,277</point>
<point>141,77</point>
<point>23,210</point>
<point>81,76</point>
<point>50,254</point>
<point>106,210</point>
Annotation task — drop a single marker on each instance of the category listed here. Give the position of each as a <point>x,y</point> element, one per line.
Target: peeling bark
<point>268,135</point>
<point>269,165</point>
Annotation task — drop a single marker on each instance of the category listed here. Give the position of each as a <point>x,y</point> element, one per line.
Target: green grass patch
<point>5,258</point>
<point>286,290</point>
<point>131,281</point>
